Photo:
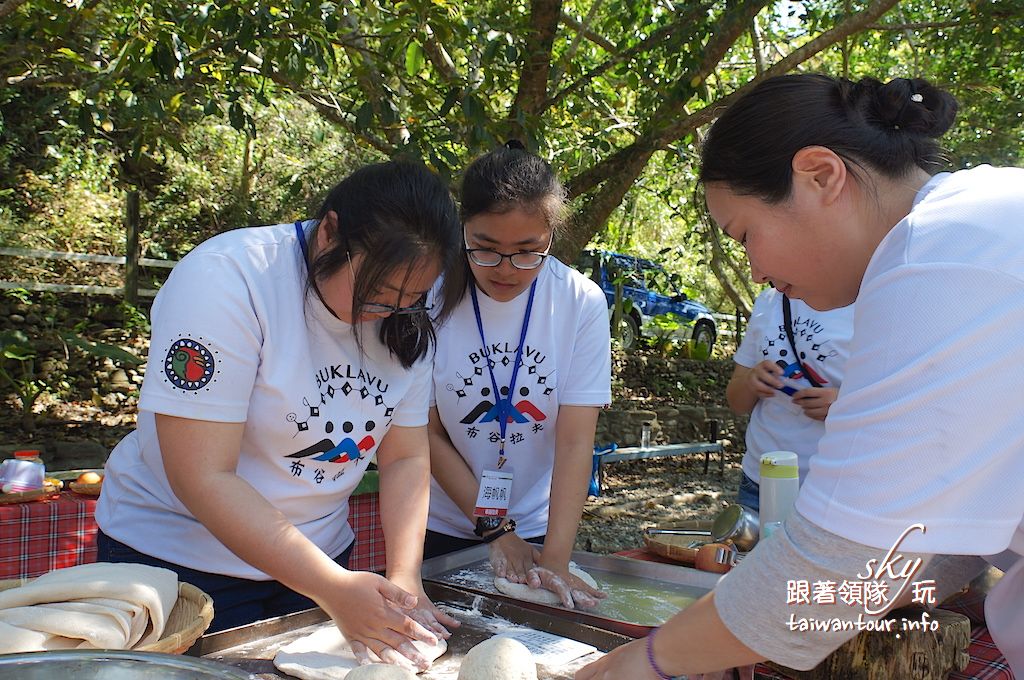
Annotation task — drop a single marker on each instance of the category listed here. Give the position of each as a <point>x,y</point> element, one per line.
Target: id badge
<point>495,494</point>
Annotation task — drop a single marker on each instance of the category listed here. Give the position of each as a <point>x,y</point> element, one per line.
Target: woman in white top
<point>786,380</point>
<point>827,184</point>
<point>522,368</point>
<point>282,359</point>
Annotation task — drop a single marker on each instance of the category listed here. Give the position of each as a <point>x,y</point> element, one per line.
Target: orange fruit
<point>89,478</point>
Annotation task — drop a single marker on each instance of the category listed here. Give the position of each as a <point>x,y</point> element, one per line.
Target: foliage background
<point>234,113</point>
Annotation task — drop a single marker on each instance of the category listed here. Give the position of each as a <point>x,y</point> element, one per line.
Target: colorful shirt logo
<point>189,365</point>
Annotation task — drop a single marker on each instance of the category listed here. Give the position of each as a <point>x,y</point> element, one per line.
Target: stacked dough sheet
<point>100,605</point>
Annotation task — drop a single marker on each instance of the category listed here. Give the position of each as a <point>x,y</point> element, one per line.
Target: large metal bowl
<point>98,664</point>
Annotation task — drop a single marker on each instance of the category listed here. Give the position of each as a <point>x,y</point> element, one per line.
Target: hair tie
<point>515,144</point>
<point>915,97</point>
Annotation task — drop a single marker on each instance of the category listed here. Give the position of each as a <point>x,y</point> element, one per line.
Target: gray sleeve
<point>756,602</point>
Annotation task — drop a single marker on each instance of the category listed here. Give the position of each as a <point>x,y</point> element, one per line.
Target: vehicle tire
<point>630,332</point>
<point>704,333</point>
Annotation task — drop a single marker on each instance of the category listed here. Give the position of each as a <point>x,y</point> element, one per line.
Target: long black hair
<point>889,127</point>
<point>395,214</point>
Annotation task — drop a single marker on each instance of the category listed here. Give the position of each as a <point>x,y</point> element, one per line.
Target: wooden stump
<point>914,655</point>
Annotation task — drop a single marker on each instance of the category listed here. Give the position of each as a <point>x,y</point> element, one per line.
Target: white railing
<point>78,257</point>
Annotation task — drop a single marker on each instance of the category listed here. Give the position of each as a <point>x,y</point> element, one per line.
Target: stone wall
<point>679,397</point>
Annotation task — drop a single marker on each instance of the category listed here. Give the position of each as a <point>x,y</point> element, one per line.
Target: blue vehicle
<point>653,293</point>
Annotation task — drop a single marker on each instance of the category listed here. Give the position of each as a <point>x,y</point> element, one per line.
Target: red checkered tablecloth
<point>987,662</point>
<point>40,536</point>
<point>364,517</point>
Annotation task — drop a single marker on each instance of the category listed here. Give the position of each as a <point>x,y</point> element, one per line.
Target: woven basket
<point>675,547</point>
<point>189,619</point>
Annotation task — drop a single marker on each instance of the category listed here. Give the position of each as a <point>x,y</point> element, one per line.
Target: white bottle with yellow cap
<point>780,484</point>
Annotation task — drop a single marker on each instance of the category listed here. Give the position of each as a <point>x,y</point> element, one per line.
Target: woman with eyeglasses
<point>283,359</point>
<point>521,370</point>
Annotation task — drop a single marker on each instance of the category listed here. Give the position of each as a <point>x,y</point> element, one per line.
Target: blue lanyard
<point>302,239</point>
<point>503,406</point>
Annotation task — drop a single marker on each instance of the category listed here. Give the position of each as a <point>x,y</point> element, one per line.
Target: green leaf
<point>236,116</point>
<point>101,349</point>
<point>473,109</point>
<point>449,101</point>
<point>364,116</point>
<point>414,58</point>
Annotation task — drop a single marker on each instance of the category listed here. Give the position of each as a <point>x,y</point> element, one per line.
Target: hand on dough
<point>571,589</point>
<point>512,557</point>
<point>370,611</point>
<point>432,618</point>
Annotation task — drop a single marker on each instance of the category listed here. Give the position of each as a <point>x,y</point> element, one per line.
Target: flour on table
<point>380,671</point>
<point>521,591</point>
<point>326,655</point>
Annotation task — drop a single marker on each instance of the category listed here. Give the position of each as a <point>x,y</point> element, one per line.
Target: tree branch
<point>571,52</point>
<point>9,6</point>
<point>729,28</point>
<point>678,128</point>
<point>655,39</point>
<point>439,56</point>
<point>956,23</point>
<point>371,79</point>
<point>755,47</point>
<point>590,35</point>
<point>331,111</point>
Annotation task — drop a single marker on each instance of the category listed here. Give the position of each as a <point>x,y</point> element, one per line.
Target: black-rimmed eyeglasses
<point>381,308</point>
<point>419,307</point>
<point>488,257</point>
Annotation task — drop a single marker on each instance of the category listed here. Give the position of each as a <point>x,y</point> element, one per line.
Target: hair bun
<point>913,105</point>
<point>515,144</point>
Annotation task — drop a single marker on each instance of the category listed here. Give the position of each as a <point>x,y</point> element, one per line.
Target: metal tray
<point>642,594</point>
<point>252,648</point>
<point>98,664</point>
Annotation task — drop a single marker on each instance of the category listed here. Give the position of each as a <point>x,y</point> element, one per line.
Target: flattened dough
<point>521,591</point>
<point>326,655</point>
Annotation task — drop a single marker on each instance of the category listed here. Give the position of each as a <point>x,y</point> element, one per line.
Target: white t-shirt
<point>823,340</point>
<point>237,338</point>
<point>929,426</point>
<point>566,361</point>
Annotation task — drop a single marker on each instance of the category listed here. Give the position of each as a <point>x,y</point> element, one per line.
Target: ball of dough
<point>499,658</point>
<point>380,671</point>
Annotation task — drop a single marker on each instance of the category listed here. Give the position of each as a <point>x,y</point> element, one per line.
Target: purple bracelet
<point>662,675</point>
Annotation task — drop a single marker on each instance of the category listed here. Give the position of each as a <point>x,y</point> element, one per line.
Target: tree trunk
<point>131,248</point>
<point>533,79</point>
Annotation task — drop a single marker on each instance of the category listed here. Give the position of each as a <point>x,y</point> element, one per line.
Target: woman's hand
<point>765,379</point>
<point>371,612</point>
<point>512,557</point>
<point>425,612</point>
<point>572,590</point>
<point>626,661</point>
<point>815,401</point>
